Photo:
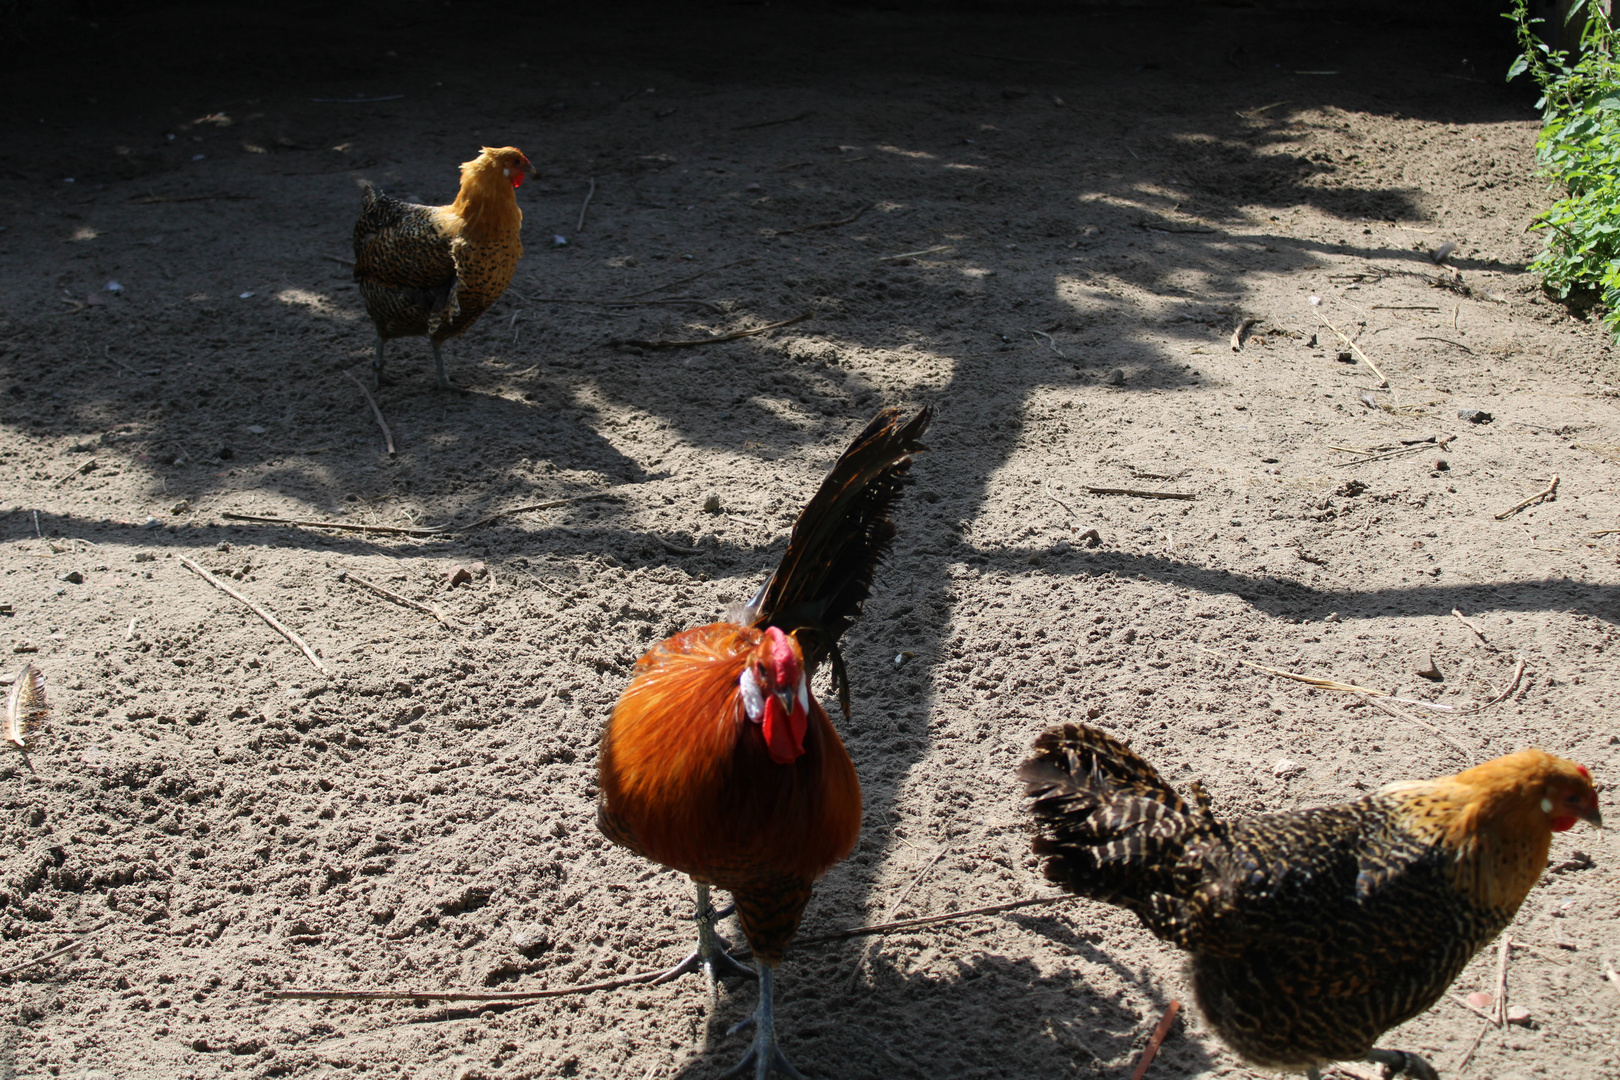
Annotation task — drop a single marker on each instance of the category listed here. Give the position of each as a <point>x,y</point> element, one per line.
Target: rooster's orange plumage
<point>719,762</point>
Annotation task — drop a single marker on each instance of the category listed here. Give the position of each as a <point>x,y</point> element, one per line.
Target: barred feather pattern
<point>1311,932</point>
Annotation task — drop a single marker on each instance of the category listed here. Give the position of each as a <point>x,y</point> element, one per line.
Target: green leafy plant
<point>1579,149</point>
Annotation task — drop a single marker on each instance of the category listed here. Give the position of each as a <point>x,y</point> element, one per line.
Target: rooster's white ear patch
<point>1546,806</point>
<point>506,172</point>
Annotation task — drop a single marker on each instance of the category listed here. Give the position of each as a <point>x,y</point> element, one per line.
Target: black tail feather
<point>825,576</point>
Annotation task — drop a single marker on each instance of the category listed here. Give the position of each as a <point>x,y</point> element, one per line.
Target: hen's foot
<point>1400,1063</point>
<point>764,1055</point>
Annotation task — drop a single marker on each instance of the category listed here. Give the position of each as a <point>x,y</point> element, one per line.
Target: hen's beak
<point>1593,815</point>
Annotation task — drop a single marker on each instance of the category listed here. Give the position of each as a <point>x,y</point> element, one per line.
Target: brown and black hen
<point>1312,932</point>
<point>432,270</point>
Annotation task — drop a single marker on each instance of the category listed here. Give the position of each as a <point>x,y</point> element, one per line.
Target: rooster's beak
<point>1594,816</point>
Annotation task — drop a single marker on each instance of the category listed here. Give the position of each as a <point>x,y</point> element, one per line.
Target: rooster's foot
<point>764,1055</point>
<point>710,956</point>
<point>1401,1063</point>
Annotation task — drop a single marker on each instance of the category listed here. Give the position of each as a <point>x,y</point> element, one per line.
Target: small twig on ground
<point>1356,349</point>
<point>1137,493</point>
<point>1238,334</point>
<point>1499,1007</point>
<point>675,549</point>
<point>770,123</point>
<point>692,277</point>
<point>84,938</point>
<point>338,259</point>
<point>1399,714</point>
<point>1050,340</point>
<point>257,610</point>
<point>1408,307</point>
<point>733,336</point>
<point>1158,1037</point>
<point>1476,630</point>
<point>1465,1003</point>
<point>648,976</point>
<point>78,469</point>
<point>1448,341</point>
<point>580,224</point>
<point>349,575</point>
<point>827,224</point>
<point>540,581</point>
<point>914,254</point>
<point>894,909</point>
<point>129,634</point>
<point>1138,474</point>
<point>388,436</point>
<point>430,530</point>
<point>1468,1055</point>
<point>1545,493</point>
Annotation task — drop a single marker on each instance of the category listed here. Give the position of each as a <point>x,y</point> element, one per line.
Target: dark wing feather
<point>825,576</point>
<point>399,245</point>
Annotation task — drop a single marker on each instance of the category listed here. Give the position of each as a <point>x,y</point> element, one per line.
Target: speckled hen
<point>432,270</point>
<point>1311,932</point>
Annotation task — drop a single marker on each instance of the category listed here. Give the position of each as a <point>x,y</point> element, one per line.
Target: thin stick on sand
<point>894,908</point>
<point>647,976</point>
<point>1400,714</point>
<point>1499,1009</point>
<point>84,938</point>
<point>1356,349</point>
<point>257,610</point>
<point>401,530</point>
<point>349,575</point>
<point>1138,493</point>
<point>1158,1038</point>
<point>733,336</point>
<point>1545,493</point>
<point>1477,632</point>
<point>388,436</point>
<point>586,206</point>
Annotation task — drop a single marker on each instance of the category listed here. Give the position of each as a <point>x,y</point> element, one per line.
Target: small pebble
<point>1423,666</point>
<point>1480,1000</point>
<point>711,505</point>
<point>73,577</point>
<point>1332,616</point>
<point>1518,1014</point>
<point>1441,464</point>
<point>1475,416</point>
<point>1115,377</point>
<point>1283,768</point>
<point>181,507</point>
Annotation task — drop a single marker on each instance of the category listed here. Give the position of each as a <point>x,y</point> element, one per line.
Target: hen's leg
<point>377,364</point>
<point>710,956</point>
<point>438,359</point>
<point>764,1055</point>
<point>1401,1063</point>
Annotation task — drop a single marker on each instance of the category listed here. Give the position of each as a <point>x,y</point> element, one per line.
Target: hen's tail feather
<point>1109,826</point>
<point>844,531</point>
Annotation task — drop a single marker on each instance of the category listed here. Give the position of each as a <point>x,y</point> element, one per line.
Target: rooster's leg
<point>710,956</point>
<point>1401,1063</point>
<point>764,1055</point>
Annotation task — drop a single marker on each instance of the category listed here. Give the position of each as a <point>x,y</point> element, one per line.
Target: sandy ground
<point>1092,201</point>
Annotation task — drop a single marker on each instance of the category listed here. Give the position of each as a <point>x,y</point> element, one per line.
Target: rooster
<point>434,269</point>
<point>1312,932</point>
<point>720,763</point>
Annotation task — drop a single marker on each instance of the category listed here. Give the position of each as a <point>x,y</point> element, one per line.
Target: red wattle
<point>517,179</point>
<point>1562,824</point>
<point>784,734</point>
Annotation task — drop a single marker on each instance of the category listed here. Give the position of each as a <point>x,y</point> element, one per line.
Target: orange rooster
<point>434,269</point>
<point>1312,932</point>
<point>718,761</point>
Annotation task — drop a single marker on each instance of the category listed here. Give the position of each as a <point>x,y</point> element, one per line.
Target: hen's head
<point>509,160</point>
<point>1542,787</point>
<point>776,696</point>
